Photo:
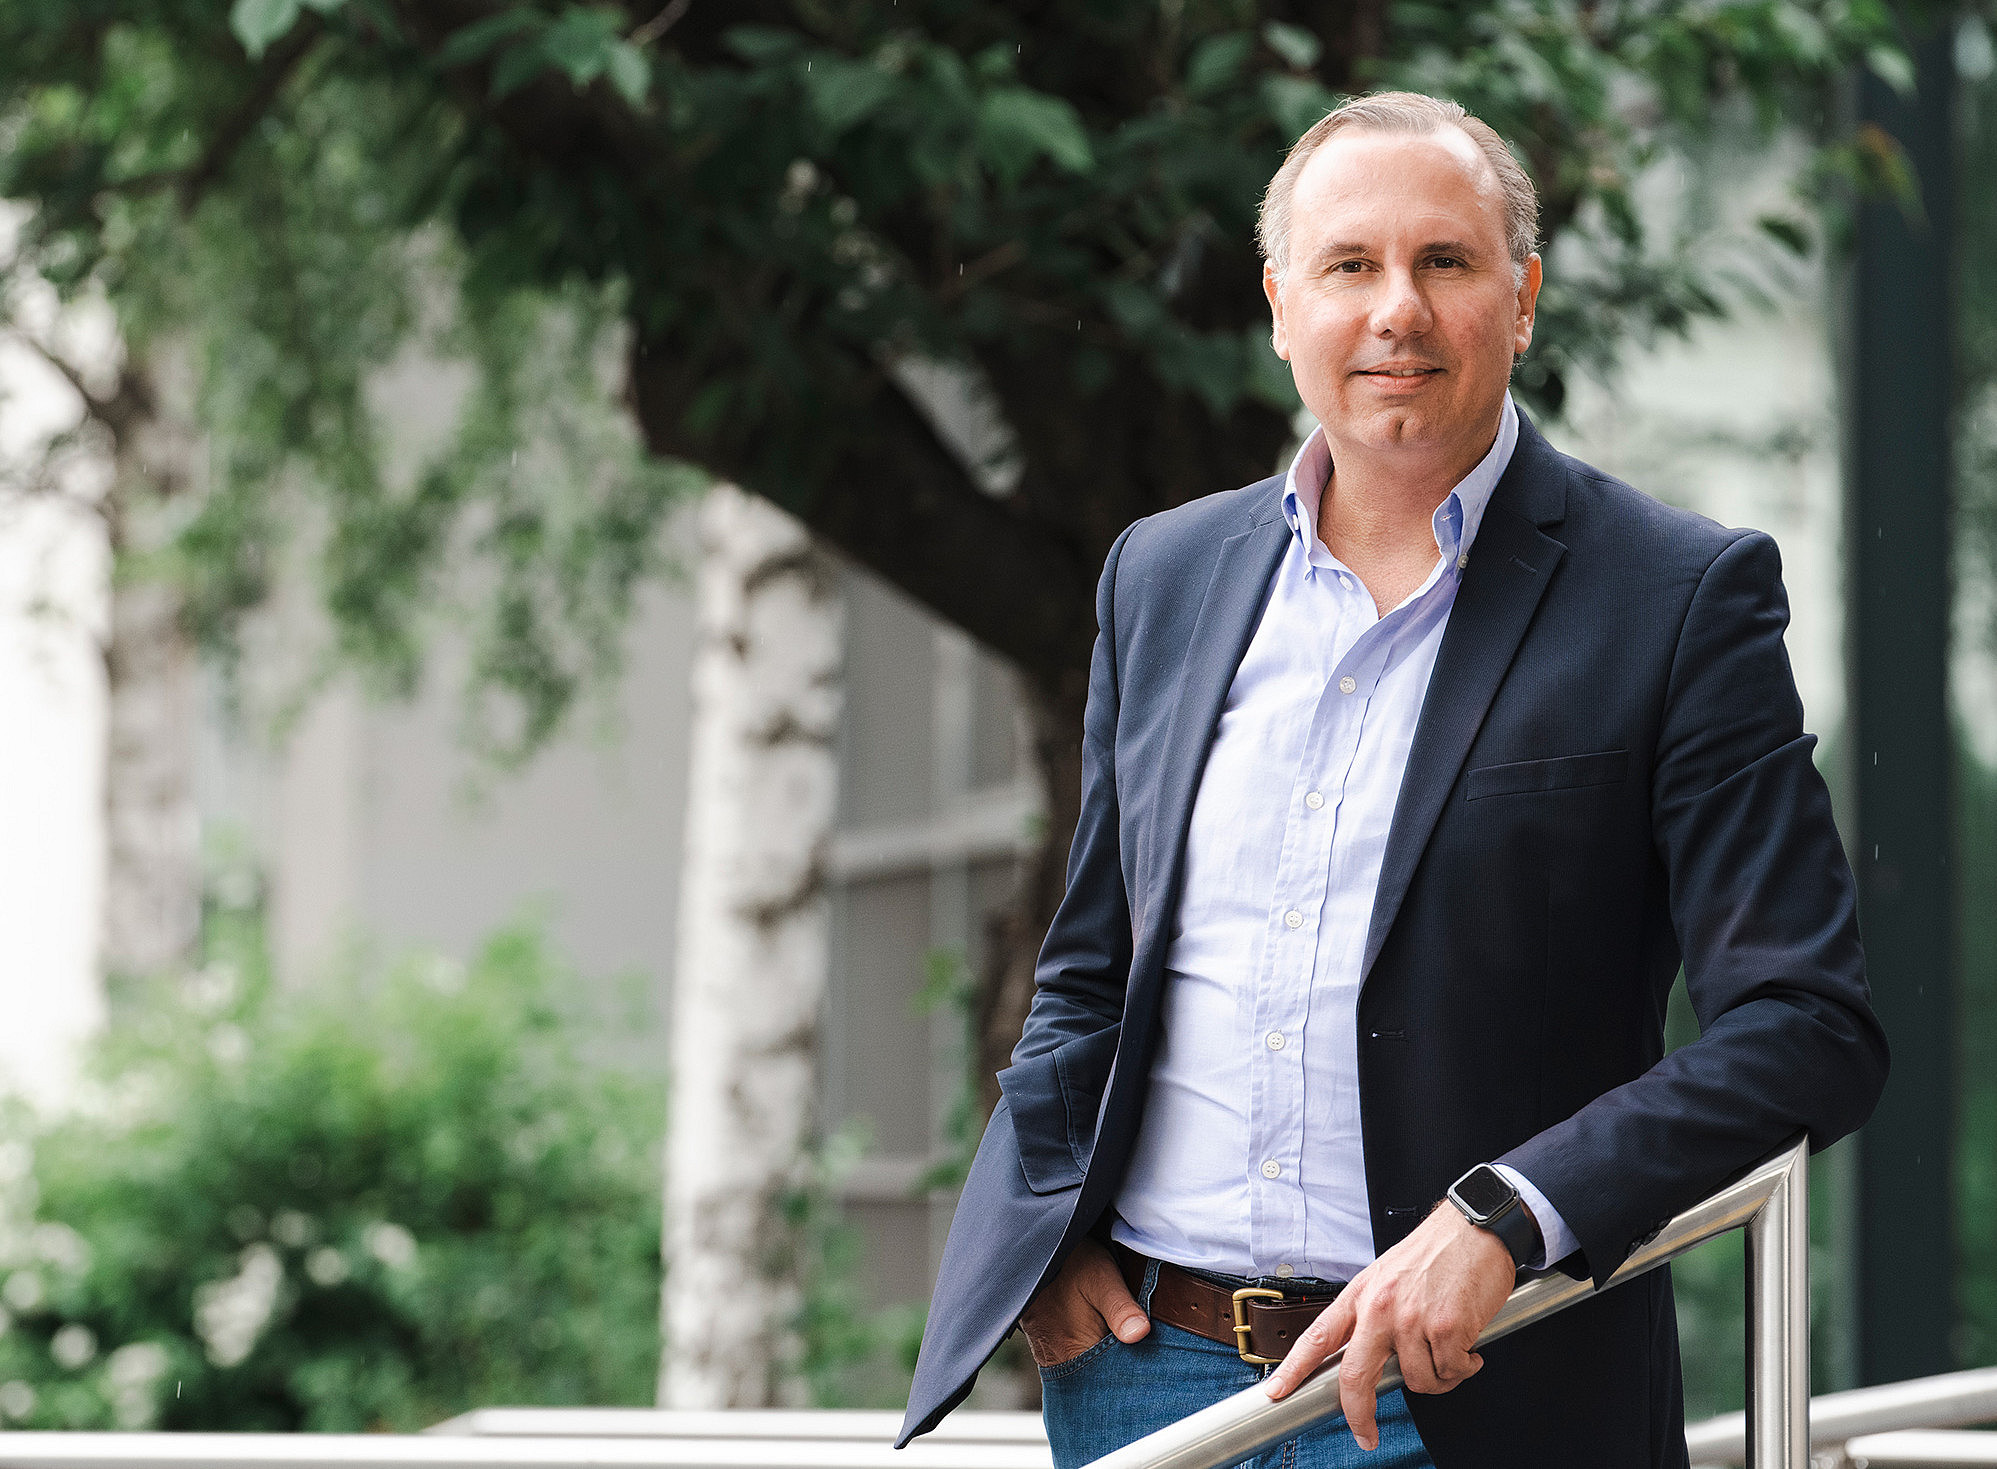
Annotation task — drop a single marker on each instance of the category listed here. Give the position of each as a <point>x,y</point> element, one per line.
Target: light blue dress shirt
<point>1250,1159</point>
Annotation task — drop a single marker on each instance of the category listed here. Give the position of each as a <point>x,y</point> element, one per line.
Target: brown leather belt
<point>1260,1323</point>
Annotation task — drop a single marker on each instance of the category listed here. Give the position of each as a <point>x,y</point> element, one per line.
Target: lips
<point>1399,372</point>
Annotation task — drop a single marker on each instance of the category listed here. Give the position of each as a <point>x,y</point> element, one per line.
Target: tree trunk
<point>750,972</point>
<point>152,893</point>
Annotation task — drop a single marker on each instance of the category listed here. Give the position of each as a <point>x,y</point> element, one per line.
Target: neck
<point>1378,510</point>
<point>1379,498</point>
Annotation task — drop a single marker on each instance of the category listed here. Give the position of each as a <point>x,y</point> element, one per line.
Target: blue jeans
<point>1114,1393</point>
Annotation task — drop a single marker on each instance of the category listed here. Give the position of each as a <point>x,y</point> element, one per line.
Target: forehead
<point>1439,181</point>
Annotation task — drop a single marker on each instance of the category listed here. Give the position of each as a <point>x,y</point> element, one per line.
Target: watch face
<point>1484,1190</point>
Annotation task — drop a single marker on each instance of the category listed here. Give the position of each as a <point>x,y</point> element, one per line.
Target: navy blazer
<point>1609,778</point>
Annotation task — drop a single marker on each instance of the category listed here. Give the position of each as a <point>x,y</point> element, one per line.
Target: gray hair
<point>1407,114</point>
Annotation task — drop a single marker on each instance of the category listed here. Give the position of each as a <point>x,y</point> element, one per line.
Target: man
<point>1411,777</point>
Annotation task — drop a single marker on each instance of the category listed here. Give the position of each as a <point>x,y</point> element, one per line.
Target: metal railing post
<point>1778,1324</point>
<point>1770,1201</point>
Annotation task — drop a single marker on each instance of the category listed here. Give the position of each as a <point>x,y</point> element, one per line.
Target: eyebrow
<point>1338,248</point>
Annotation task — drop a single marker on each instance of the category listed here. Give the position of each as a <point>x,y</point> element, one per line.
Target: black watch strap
<point>1488,1200</point>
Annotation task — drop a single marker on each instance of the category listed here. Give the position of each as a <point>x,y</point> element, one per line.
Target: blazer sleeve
<point>1764,909</point>
<point>1084,964</point>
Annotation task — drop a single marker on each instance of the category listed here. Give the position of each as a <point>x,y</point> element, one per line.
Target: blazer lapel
<point>1511,563</point>
<point>1235,596</point>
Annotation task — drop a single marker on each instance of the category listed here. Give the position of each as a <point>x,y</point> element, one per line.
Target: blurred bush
<point>366,1208</point>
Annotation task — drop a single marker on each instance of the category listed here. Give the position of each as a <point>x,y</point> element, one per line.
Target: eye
<point>1447,262</point>
<point>1350,267</point>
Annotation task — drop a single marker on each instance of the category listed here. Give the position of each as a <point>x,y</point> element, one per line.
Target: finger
<point>1320,1339</point>
<point>1452,1360</point>
<point>1103,1288</point>
<point>1358,1375</point>
<point>1419,1372</point>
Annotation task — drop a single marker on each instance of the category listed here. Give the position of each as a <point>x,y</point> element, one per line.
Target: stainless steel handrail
<point>1950,1400</point>
<point>1770,1201</point>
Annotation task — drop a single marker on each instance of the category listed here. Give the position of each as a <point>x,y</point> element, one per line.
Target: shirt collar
<point>1456,518</point>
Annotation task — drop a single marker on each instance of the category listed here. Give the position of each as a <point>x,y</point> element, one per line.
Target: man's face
<point>1400,312</point>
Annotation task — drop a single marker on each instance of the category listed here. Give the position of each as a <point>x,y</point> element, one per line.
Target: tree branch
<point>278,64</point>
<point>898,502</point>
<point>93,405</point>
<point>659,24</point>
<point>192,182</point>
<point>894,498</point>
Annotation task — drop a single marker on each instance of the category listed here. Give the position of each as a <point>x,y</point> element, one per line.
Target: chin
<point>1391,427</point>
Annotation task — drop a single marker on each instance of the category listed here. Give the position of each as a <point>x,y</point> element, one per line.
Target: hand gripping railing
<point>1770,1201</point>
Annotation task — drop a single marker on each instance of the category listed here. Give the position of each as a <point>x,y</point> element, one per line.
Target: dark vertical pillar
<point>1898,611</point>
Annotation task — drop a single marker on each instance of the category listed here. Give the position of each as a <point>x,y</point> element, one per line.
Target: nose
<point>1400,310</point>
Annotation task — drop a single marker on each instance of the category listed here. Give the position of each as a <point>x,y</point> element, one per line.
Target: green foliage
<point>285,276</point>
<point>782,199</point>
<point>361,1210</point>
<point>951,987</point>
<point>856,1355</point>
<point>852,1355</point>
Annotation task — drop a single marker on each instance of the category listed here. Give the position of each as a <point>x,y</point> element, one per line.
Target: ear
<point>1272,287</point>
<point>1528,303</point>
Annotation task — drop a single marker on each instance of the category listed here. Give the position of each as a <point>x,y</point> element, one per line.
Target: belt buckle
<point>1241,1323</point>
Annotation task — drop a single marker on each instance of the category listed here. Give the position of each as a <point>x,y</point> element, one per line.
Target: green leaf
<point>1135,309</point>
<point>844,93</point>
<point>1294,44</point>
<point>1218,63</point>
<point>1893,67</point>
<point>259,22</point>
<point>761,45</point>
<point>1295,103</point>
<point>580,43</point>
<point>518,66</point>
<point>630,71</point>
<point>472,42</point>
<point>1017,126</point>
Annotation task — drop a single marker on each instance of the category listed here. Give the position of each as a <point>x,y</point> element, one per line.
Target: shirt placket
<point>1282,995</point>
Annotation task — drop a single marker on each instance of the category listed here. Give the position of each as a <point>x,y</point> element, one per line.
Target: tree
<point>749,981</point>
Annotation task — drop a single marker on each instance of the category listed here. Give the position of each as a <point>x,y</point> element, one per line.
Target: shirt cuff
<point>1557,1241</point>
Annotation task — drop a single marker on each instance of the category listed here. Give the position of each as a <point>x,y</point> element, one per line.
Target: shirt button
<point>1286,1271</point>
<point>1293,919</point>
<point>1463,561</point>
<point>1274,1040</point>
<point>1272,1169</point>
<point>1348,685</point>
<point>1314,800</point>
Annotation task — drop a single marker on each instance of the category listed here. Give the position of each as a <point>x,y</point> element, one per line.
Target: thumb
<point>1105,1291</point>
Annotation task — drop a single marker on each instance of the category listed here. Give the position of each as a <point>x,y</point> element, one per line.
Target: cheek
<point>1318,339</point>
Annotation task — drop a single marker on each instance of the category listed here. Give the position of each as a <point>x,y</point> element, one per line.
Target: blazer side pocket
<point>1054,1097</point>
<point>1564,772</point>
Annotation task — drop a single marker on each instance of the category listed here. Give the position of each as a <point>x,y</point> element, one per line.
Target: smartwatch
<point>1489,1201</point>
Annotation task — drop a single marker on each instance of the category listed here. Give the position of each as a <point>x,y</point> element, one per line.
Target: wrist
<point>1489,1201</point>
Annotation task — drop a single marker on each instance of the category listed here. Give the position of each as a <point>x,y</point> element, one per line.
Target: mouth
<point>1399,374</point>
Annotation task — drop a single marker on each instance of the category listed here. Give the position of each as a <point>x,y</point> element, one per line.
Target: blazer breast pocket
<point>1563,772</point>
